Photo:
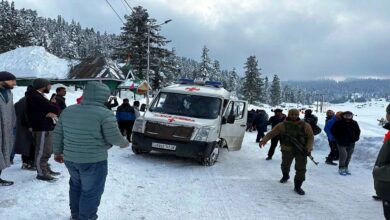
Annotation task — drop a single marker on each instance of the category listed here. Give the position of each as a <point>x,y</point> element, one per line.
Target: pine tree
<point>275,91</point>
<point>266,90</point>
<point>205,66</point>
<point>133,43</point>
<point>253,85</point>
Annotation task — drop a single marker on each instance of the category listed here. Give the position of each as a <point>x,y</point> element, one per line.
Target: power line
<point>132,10</point>
<point>126,8</point>
<point>115,12</point>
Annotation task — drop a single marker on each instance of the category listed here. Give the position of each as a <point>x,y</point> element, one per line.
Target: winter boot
<point>5,182</point>
<point>342,172</point>
<point>297,187</point>
<point>47,177</point>
<point>330,162</point>
<point>268,158</point>
<point>284,178</point>
<point>53,173</point>
<point>347,171</point>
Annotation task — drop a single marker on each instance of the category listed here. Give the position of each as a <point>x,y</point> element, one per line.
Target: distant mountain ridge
<point>344,90</point>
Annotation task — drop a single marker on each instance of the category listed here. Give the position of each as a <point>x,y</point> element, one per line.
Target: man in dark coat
<point>249,121</point>
<point>7,122</point>
<point>260,122</point>
<point>42,115</point>
<point>60,97</point>
<point>24,143</point>
<point>125,116</point>
<point>381,172</point>
<point>273,121</point>
<point>346,132</point>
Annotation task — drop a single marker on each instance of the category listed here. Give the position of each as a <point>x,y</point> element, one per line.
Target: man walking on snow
<point>273,121</point>
<point>82,137</point>
<point>291,130</point>
<point>346,132</point>
<point>7,122</point>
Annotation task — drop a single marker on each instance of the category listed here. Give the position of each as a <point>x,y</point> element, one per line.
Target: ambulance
<point>191,119</point>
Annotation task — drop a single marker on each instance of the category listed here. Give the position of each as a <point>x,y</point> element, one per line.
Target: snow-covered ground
<point>241,185</point>
<point>34,61</point>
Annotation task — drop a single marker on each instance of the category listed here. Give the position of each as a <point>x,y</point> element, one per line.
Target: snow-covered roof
<point>198,90</point>
<point>96,67</point>
<point>33,62</point>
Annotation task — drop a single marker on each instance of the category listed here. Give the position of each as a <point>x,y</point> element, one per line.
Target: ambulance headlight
<point>138,125</point>
<point>203,133</point>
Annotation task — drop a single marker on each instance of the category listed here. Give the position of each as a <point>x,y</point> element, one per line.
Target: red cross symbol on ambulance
<point>171,120</point>
<point>192,89</point>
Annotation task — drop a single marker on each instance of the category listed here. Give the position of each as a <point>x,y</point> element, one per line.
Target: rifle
<point>298,145</point>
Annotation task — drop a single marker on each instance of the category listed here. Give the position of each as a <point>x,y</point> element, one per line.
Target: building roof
<point>96,67</point>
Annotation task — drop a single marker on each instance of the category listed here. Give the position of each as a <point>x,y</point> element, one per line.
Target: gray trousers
<point>43,150</point>
<point>345,154</point>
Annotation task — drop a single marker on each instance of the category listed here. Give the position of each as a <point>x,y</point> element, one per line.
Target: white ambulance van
<point>191,119</point>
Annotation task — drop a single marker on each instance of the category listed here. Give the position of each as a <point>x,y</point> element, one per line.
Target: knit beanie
<point>40,83</point>
<point>293,111</point>
<point>5,76</point>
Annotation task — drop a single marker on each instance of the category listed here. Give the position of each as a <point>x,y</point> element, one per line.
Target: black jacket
<point>37,107</point>
<point>346,133</point>
<point>61,102</point>
<point>274,120</point>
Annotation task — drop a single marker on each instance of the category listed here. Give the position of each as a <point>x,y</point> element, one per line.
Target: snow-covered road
<point>241,185</point>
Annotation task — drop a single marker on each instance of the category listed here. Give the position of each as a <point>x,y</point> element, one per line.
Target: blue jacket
<point>125,113</point>
<point>328,126</point>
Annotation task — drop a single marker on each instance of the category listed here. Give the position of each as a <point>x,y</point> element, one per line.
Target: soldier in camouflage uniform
<point>293,128</point>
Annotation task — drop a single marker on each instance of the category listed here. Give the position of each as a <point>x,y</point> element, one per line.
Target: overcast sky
<point>305,39</point>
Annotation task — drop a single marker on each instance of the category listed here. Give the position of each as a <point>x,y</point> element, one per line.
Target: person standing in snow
<point>60,97</point>
<point>260,122</point>
<point>136,109</point>
<point>42,114</point>
<point>81,139</point>
<point>273,121</point>
<point>381,172</point>
<point>7,122</point>
<point>312,120</point>
<point>291,130</point>
<point>24,141</point>
<point>346,132</point>
<point>334,153</point>
<point>125,115</point>
<point>249,121</point>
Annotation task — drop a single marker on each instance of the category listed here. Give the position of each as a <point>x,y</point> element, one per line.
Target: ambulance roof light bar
<point>200,82</point>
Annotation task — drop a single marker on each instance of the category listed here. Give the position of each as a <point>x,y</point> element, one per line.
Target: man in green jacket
<point>293,128</point>
<point>381,170</point>
<point>81,139</point>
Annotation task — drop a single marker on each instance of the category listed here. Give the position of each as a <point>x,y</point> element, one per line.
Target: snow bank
<point>34,62</point>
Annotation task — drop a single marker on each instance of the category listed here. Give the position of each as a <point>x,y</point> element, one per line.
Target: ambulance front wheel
<point>210,159</point>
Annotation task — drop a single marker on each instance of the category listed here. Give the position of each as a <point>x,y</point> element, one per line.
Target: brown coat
<point>280,129</point>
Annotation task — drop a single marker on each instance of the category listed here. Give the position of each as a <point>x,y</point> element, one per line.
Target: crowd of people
<point>296,137</point>
<point>36,127</point>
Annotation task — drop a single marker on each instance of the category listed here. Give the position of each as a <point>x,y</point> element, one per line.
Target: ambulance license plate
<point>164,146</point>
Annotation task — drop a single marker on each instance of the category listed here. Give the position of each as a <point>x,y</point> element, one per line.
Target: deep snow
<point>34,61</point>
<point>241,185</point>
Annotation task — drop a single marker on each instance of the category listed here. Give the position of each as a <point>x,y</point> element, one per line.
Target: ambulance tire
<point>210,159</point>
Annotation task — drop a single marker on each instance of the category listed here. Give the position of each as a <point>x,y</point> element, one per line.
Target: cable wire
<point>115,12</point>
